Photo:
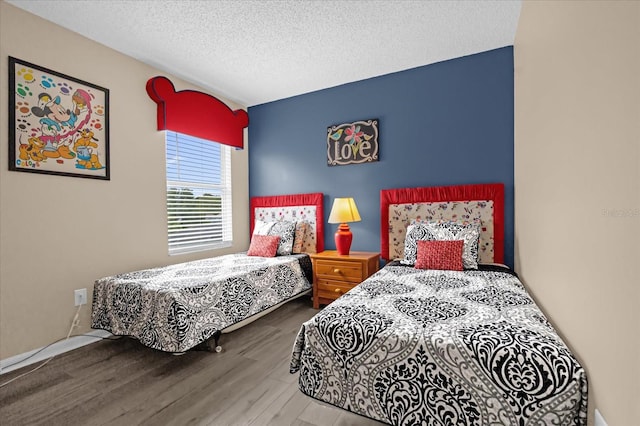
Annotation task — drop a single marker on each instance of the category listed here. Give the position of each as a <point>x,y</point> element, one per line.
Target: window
<point>198,194</point>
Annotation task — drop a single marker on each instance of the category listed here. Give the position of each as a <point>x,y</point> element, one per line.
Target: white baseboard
<point>41,354</point>
<point>599,420</point>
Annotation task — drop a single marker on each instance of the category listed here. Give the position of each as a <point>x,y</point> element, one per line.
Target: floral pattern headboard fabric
<point>294,208</point>
<point>293,214</point>
<point>401,215</point>
<point>483,202</point>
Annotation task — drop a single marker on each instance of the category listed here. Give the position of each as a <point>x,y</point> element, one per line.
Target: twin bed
<point>178,307</point>
<point>419,343</point>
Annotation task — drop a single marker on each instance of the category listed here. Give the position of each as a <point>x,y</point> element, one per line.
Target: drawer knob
<point>338,290</point>
<point>337,271</point>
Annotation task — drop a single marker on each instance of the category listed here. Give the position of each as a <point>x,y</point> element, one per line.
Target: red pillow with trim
<point>263,245</point>
<point>439,254</point>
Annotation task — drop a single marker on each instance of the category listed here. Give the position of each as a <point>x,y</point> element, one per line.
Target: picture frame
<point>353,143</point>
<point>58,124</point>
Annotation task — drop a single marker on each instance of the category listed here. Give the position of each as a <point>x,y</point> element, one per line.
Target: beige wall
<point>62,233</point>
<point>577,186</point>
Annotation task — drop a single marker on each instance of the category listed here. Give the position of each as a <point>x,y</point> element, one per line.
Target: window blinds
<point>198,194</point>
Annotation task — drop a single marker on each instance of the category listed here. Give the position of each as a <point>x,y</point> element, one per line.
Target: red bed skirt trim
<point>310,199</point>
<point>480,192</point>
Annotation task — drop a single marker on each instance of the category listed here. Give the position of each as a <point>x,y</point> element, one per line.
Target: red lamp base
<point>343,239</point>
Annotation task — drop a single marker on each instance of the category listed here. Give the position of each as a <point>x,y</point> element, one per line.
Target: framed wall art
<point>58,124</point>
<point>352,143</point>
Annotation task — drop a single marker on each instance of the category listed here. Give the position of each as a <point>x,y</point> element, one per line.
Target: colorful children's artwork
<point>57,124</point>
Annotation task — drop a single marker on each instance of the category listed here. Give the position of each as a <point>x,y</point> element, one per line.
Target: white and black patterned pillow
<point>415,232</point>
<point>262,228</point>
<point>286,231</point>
<point>469,232</point>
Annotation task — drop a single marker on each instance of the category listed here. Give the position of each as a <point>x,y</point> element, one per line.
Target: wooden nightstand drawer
<point>350,271</point>
<point>335,274</point>
<point>332,289</point>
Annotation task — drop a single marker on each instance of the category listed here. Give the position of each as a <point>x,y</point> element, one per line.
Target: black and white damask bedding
<point>411,346</point>
<point>176,307</point>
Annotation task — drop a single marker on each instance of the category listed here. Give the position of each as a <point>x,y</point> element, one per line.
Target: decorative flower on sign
<point>353,134</point>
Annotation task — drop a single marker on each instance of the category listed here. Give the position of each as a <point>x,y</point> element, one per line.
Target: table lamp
<point>344,210</point>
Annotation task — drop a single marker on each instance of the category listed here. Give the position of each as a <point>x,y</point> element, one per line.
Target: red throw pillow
<point>263,245</point>
<point>438,254</point>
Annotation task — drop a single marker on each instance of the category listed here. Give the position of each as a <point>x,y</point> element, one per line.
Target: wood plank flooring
<point>121,382</point>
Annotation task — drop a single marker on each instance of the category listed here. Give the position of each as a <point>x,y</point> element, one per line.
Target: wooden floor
<point>122,382</point>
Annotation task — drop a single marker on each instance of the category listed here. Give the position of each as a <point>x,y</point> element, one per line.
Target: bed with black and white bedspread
<point>411,346</point>
<point>174,308</point>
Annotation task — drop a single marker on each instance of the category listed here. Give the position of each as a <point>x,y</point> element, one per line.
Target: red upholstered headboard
<point>461,202</point>
<point>312,201</point>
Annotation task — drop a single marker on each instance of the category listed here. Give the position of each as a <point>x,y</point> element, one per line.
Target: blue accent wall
<point>447,123</point>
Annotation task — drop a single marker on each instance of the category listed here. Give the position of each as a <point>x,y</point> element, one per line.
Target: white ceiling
<point>253,52</point>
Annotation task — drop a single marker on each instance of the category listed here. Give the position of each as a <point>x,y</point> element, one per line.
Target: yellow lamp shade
<point>344,210</point>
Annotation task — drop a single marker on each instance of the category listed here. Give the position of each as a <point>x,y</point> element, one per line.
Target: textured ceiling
<point>254,52</point>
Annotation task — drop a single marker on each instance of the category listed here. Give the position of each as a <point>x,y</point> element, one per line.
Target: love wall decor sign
<point>352,143</point>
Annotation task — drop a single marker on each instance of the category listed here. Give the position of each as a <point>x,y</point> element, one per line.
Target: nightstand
<point>334,275</point>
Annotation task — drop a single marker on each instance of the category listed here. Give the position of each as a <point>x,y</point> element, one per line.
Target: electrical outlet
<point>80,296</point>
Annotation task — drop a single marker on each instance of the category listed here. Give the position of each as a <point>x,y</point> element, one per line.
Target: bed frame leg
<point>210,345</point>
<point>215,347</point>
